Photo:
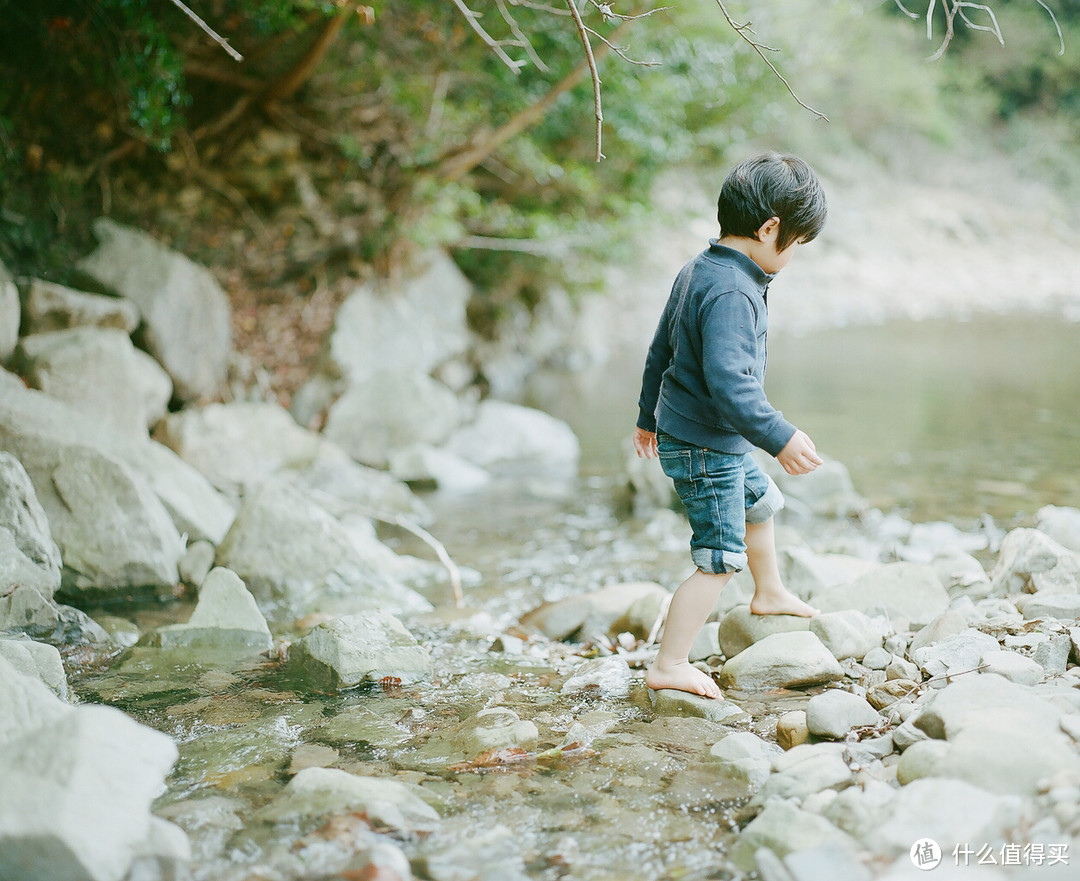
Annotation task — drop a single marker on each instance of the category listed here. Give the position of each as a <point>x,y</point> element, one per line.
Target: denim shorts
<point>722,492</point>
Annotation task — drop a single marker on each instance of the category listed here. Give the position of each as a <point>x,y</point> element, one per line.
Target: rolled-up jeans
<point>722,492</point>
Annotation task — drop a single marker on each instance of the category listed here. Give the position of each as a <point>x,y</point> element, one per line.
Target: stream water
<point>941,420</point>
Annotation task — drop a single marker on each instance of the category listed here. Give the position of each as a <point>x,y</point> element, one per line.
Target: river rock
<point>26,610</point>
<point>805,572</point>
<point>847,634</point>
<point>10,310</point>
<point>114,532</point>
<point>740,628</point>
<point>607,677</point>
<point>1024,554</point>
<point>669,702</point>
<point>744,757</point>
<point>827,491</point>
<point>343,486</point>
<point>707,643</point>
<point>29,557</point>
<point>927,758</point>
<point>319,792</point>
<point>354,649</point>
<point>948,623</point>
<point>944,810</point>
<point>290,551</point>
<point>26,702</point>
<point>992,726</point>
<point>815,770</point>
<point>903,592</point>
<point>783,828</point>
<point>78,793</point>
<point>834,712</point>
<point>390,410</point>
<point>631,607</point>
<point>1065,607</point>
<point>51,306</point>
<point>37,659</point>
<point>413,325</point>
<point>958,653</point>
<point>490,732</point>
<point>782,660</point>
<point>961,573</point>
<point>39,430</point>
<point>1013,666</point>
<point>98,370</point>
<point>424,465</point>
<point>492,853</point>
<point>239,443</point>
<point>504,432</point>
<point>226,618</point>
<point>1061,524</point>
<point>186,322</point>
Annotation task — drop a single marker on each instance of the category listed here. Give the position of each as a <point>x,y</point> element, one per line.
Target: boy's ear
<point>768,228</point>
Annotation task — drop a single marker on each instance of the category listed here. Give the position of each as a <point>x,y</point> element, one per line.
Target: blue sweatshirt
<point>704,374</point>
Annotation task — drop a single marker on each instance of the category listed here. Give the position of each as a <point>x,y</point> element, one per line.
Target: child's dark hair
<point>772,185</point>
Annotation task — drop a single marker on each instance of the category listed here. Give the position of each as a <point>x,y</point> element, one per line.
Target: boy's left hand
<point>645,443</point>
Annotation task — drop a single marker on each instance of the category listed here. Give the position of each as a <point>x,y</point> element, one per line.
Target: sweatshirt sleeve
<point>729,353</point>
<point>657,361</point>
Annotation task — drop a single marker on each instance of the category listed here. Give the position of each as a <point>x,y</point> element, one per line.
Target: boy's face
<point>766,254</point>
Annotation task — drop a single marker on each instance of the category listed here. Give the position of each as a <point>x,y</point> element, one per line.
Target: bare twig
<point>523,41</point>
<point>459,164</point>
<point>591,61</point>
<point>496,46</point>
<point>1053,18</point>
<point>622,52</point>
<point>743,30</point>
<point>221,41</point>
<point>609,13</point>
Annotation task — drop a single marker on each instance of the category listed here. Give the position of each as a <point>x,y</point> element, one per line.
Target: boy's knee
<point>770,503</point>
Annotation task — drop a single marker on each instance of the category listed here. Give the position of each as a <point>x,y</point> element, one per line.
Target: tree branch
<point>590,60</point>
<point>473,18</point>
<point>289,84</point>
<point>221,41</point>
<point>458,165</point>
<point>742,30</point>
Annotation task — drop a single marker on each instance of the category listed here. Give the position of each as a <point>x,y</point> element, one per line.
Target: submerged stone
<point>226,617</point>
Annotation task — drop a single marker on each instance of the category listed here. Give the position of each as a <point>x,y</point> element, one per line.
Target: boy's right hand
<point>799,455</point>
<point>645,443</point>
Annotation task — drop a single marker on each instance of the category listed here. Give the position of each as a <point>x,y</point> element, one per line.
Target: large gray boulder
<point>906,593</point>
<point>51,306</point>
<point>41,431</point>
<point>28,555</point>
<point>239,443</point>
<point>26,704</point>
<point>10,314</point>
<point>114,532</point>
<point>389,411</point>
<point>411,326</point>
<point>98,370</point>
<point>292,553</point>
<point>1002,736</point>
<point>355,649</point>
<point>632,606</point>
<point>508,433</point>
<point>77,795</point>
<point>186,322</point>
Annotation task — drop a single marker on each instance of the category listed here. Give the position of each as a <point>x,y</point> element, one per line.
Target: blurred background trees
<point>335,147</point>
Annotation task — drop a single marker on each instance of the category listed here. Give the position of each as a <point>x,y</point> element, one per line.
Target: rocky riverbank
<point>231,647</point>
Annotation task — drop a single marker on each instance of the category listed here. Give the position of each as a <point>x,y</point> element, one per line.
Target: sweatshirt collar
<point>756,273</point>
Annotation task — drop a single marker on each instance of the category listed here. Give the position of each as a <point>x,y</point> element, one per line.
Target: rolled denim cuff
<point>714,562</point>
<point>765,507</point>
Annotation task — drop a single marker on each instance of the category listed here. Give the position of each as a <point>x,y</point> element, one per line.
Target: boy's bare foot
<point>682,676</point>
<point>781,602</point>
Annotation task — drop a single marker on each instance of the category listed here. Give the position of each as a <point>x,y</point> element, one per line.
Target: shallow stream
<point>941,420</point>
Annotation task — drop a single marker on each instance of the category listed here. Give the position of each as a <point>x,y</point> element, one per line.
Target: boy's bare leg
<point>770,595</point>
<point>691,606</point>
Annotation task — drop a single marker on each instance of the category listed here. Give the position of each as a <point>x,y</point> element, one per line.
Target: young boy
<point>703,405</point>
